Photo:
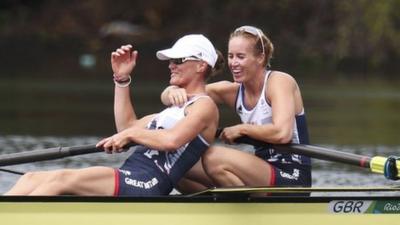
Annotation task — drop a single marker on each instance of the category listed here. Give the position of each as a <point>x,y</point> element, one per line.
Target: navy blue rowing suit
<point>287,169</point>
<point>149,172</point>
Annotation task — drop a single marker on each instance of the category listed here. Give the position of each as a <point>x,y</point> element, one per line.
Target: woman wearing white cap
<point>168,143</point>
<point>270,106</point>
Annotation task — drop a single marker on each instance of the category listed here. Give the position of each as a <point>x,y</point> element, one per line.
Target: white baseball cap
<point>196,45</point>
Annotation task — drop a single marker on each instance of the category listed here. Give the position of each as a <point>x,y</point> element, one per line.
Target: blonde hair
<point>262,44</point>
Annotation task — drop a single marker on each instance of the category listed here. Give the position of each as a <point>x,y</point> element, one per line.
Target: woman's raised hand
<point>123,60</point>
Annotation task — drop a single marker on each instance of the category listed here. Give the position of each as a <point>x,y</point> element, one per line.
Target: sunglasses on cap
<point>253,31</point>
<point>179,61</point>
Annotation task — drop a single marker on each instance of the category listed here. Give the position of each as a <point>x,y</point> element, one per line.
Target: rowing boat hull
<point>203,210</point>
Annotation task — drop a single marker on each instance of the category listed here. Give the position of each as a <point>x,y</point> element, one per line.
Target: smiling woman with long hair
<point>271,109</point>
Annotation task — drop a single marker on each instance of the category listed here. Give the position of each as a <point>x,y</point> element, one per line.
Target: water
<point>324,173</point>
<point>353,116</point>
<point>340,113</point>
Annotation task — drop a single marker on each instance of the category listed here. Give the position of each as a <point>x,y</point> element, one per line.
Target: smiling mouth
<point>236,72</point>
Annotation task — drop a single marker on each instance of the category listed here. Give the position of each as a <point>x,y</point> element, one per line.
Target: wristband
<point>123,83</point>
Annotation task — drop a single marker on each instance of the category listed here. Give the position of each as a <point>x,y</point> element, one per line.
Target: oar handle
<point>80,150</point>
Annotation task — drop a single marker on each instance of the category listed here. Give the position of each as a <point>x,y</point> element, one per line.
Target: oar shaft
<point>11,171</point>
<point>45,154</point>
<point>314,152</point>
<point>326,154</point>
<point>50,153</point>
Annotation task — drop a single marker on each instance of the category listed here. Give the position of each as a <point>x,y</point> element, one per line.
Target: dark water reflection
<point>353,112</point>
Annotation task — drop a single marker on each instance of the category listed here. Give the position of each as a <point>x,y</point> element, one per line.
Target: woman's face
<point>242,61</point>
<point>182,73</point>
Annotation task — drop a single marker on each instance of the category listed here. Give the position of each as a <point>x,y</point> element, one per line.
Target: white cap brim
<point>193,45</point>
<point>171,53</point>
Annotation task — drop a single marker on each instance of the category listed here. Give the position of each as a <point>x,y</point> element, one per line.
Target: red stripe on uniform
<point>116,182</point>
<point>272,179</point>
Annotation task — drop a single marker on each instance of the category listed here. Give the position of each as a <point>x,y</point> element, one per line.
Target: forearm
<point>124,112</point>
<point>269,133</point>
<point>164,95</point>
<point>162,140</point>
<point>201,118</point>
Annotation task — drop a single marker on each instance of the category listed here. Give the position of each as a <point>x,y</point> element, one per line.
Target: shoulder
<point>280,84</point>
<point>206,102</point>
<point>281,76</point>
<point>203,110</point>
<point>281,80</point>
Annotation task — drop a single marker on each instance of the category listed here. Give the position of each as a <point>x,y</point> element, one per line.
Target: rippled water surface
<point>324,173</point>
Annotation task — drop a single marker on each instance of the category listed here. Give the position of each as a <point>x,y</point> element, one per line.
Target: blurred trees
<point>312,37</point>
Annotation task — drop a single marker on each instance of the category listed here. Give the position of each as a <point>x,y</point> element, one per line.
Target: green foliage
<point>368,29</point>
<point>358,36</point>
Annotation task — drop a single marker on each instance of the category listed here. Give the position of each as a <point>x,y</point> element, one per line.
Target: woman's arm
<point>174,95</point>
<point>202,118</point>
<point>221,92</point>
<point>281,95</point>
<point>123,61</point>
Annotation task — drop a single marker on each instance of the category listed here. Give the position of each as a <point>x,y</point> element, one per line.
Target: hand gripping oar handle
<point>49,154</point>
